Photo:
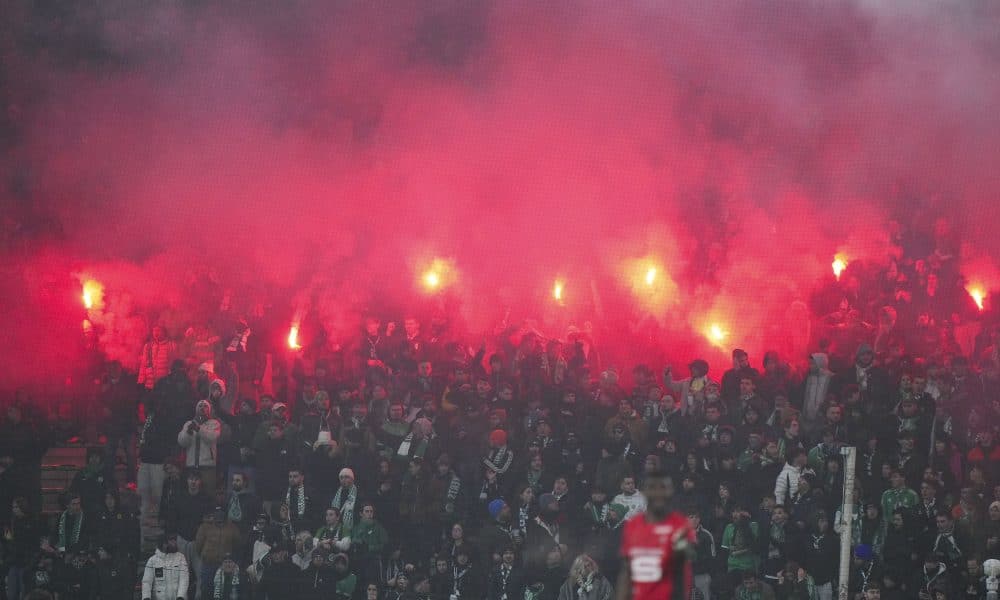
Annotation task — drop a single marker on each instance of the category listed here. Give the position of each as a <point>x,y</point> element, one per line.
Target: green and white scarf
<point>74,538</point>
<point>346,506</point>
<point>299,510</point>
<point>219,584</point>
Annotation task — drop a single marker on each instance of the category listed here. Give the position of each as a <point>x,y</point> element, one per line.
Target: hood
<point>219,383</point>
<point>208,407</point>
<point>822,360</point>
<point>862,349</point>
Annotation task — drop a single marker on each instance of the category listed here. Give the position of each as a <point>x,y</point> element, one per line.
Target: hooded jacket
<point>200,446</point>
<point>815,387</point>
<point>165,577</point>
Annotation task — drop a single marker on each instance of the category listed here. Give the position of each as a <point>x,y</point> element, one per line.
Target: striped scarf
<point>234,585</point>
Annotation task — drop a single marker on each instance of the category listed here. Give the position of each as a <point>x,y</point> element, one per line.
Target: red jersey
<point>649,549</point>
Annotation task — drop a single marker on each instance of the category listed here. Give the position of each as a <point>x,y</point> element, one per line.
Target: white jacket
<point>786,486</point>
<point>166,577</point>
<point>205,440</point>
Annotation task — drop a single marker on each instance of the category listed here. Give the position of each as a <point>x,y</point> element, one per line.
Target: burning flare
<point>557,290</point>
<point>839,264</point>
<point>716,334</point>
<point>93,293</point>
<point>978,295</point>
<point>432,280</point>
<point>650,275</point>
<point>293,338</point>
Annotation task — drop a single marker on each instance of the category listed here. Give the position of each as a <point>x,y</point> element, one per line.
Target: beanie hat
<point>496,506</point>
<point>863,551</point>
<point>498,437</point>
<point>618,509</point>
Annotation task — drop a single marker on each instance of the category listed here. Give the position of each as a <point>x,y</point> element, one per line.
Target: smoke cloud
<point>317,157</point>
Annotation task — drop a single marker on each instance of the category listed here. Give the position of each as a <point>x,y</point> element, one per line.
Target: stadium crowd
<point>420,468</point>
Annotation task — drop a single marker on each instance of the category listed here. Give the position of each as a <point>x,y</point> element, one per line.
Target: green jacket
<point>371,536</point>
<point>345,587</point>
<point>893,499</point>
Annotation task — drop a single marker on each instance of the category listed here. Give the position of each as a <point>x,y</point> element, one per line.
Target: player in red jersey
<point>656,548</point>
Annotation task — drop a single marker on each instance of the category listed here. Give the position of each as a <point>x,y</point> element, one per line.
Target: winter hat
<point>208,405</point>
<point>863,551</point>
<point>496,506</point>
<point>278,406</point>
<point>348,472</point>
<point>498,437</point>
<point>618,509</point>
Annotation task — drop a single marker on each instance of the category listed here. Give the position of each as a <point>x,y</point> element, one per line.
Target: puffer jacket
<point>166,577</point>
<point>200,447</point>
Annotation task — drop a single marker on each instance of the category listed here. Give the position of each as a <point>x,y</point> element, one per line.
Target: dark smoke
<point>317,156</point>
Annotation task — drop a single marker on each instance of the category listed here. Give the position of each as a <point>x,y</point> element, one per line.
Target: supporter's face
<point>194,485</point>
<point>746,387</point>
<point>926,492</point>
<point>560,486</point>
<point>74,505</point>
<point>411,326</point>
<point>527,496</point>
<point>628,485</point>
<point>372,327</point>
<point>506,394</point>
<point>943,523</point>
<point>865,358</point>
<point>712,414</point>
<point>158,333</point>
<point>396,412</point>
<point>536,462</point>
<point>873,595</point>
<point>368,513</point>
<point>295,479</point>
<point>834,414</point>
<point>793,428</point>
<point>871,511</point>
<point>624,409</point>
<point>779,515</point>
<point>379,393</point>
<point>332,518</point>
<point>771,450</point>
<point>742,361</point>
<point>897,480</point>
<point>170,546</point>
<point>897,520</point>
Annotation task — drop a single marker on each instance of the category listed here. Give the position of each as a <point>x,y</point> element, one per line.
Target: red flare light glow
<point>978,295</point>
<point>437,275</point>
<point>92,294</point>
<point>716,334</point>
<point>839,264</point>
<point>432,280</point>
<point>293,338</point>
<point>557,290</point>
<point>650,276</point>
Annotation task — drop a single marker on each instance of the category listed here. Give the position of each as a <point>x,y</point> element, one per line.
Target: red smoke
<point>318,158</point>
